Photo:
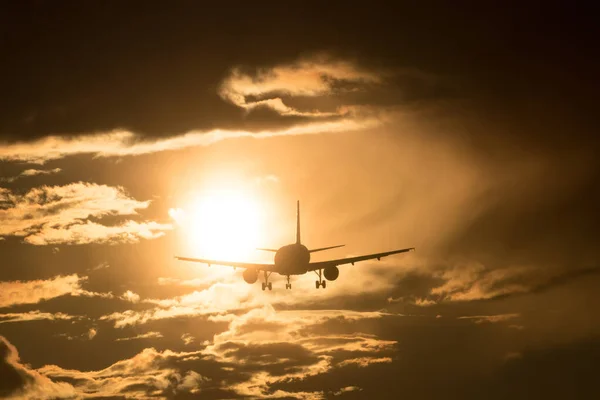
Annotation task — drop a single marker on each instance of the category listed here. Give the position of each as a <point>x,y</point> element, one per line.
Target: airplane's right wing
<point>235,264</point>
<point>313,266</point>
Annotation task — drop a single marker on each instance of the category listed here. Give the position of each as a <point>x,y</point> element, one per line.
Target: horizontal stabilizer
<point>326,248</point>
<point>273,250</point>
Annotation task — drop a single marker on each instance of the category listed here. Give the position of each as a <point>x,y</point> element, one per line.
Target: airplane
<point>294,259</point>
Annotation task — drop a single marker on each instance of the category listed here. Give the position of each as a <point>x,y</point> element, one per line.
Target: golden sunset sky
<point>134,132</point>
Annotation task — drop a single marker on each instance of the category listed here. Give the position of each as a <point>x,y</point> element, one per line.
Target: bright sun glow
<point>222,225</point>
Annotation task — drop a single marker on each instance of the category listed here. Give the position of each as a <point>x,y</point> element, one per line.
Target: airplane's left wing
<point>235,264</point>
<point>313,266</point>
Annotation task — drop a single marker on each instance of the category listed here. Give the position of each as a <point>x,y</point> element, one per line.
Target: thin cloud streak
<point>148,335</point>
<point>31,172</point>
<point>122,143</point>
<point>35,315</point>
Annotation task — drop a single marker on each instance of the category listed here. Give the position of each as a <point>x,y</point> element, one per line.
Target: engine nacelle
<point>331,273</point>
<point>250,275</point>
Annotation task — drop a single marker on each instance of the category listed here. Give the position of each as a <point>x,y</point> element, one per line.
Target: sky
<point>133,132</point>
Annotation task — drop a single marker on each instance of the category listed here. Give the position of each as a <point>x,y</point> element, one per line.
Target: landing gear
<point>266,283</point>
<point>321,282</point>
<point>288,285</point>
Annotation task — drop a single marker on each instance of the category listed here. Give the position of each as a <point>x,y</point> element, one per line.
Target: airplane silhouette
<point>294,259</point>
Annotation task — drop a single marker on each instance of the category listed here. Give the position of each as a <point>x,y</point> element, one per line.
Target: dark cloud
<point>20,381</point>
<point>13,379</point>
<point>156,69</point>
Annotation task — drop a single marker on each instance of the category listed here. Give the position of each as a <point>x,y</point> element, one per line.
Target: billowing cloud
<point>286,346</point>
<point>150,373</point>
<point>21,382</point>
<point>59,215</point>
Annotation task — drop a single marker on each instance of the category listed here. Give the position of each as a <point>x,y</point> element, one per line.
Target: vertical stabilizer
<point>298,222</point>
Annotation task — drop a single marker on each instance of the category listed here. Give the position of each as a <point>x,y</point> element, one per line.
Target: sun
<point>222,225</point>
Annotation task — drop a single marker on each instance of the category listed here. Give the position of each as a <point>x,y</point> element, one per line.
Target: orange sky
<point>130,134</point>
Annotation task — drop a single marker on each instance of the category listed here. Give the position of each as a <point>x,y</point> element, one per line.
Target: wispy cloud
<point>317,76</point>
<point>479,319</point>
<point>34,316</point>
<point>126,143</point>
<point>31,172</point>
<point>147,335</point>
<point>365,361</point>
<point>347,389</point>
<point>187,338</point>
<point>59,215</point>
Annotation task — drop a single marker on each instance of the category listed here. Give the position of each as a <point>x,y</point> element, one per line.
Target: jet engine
<point>250,275</point>
<point>331,273</point>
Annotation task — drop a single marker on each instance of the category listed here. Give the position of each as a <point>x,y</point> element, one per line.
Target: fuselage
<point>292,259</point>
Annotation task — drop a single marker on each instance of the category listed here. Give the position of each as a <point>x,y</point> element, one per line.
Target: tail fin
<point>298,222</point>
<point>326,248</point>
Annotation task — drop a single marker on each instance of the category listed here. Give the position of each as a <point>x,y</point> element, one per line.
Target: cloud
<point>150,373</point>
<point>220,299</point>
<point>365,361</point>
<point>100,266</point>
<point>59,215</point>
<point>187,338</point>
<point>289,346</point>
<point>478,319</point>
<point>34,316</point>
<point>121,143</point>
<point>130,296</point>
<point>272,88</point>
<point>31,172</point>
<point>147,335</point>
<point>263,353</point>
<point>92,333</point>
<point>318,76</point>
<point>21,382</point>
<point>216,299</point>
<point>347,389</point>
<point>31,292</point>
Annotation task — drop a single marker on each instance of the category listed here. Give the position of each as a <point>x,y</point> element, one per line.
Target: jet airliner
<point>294,259</point>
